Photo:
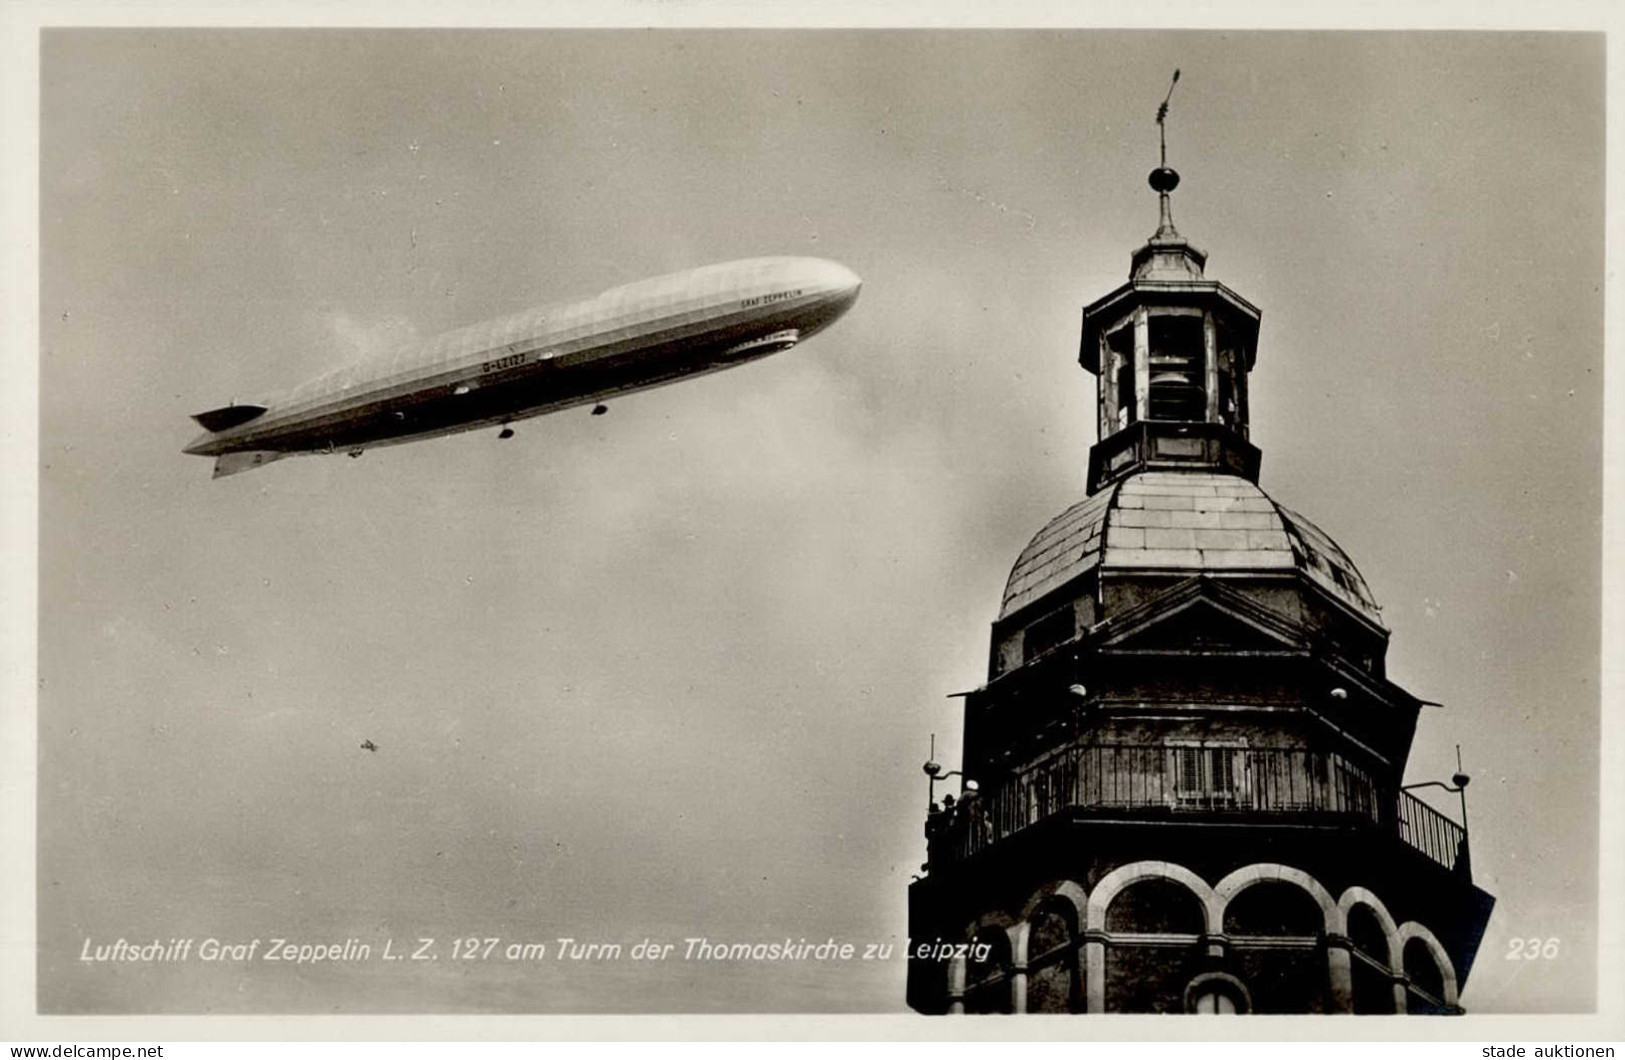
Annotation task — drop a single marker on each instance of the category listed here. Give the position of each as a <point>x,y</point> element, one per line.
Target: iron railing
<point>1432,833</point>
<point>1192,780</point>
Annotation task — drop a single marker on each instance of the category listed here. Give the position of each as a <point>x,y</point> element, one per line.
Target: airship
<point>548,359</point>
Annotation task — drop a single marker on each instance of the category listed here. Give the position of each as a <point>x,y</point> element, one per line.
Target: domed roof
<point>1182,522</point>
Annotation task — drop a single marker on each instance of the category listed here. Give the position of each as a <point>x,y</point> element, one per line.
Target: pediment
<point>1200,615</point>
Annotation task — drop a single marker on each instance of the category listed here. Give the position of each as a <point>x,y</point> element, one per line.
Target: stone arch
<point>1447,968</point>
<point>1115,881</point>
<point>1060,891</point>
<point>1052,922</point>
<point>995,919</point>
<point>959,967</point>
<point>1100,900</point>
<point>1248,875</point>
<point>1368,929</point>
<point>1360,896</point>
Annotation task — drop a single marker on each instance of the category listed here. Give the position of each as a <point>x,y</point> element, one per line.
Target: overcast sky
<point>672,671</point>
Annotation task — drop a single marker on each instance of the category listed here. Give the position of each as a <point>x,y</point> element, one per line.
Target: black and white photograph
<point>810,520</point>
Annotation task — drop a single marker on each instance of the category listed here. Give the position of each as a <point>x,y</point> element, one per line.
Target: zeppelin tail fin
<point>228,416</point>
<point>233,463</point>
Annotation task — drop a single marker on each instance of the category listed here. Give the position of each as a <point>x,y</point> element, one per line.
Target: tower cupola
<point>1171,350</point>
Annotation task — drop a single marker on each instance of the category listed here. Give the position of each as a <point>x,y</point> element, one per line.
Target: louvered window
<point>1176,361</point>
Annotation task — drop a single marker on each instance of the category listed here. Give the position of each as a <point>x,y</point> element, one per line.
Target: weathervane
<point>1162,116</point>
<point>1164,180</point>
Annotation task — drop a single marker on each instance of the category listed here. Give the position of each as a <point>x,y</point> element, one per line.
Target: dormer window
<point>1050,631</point>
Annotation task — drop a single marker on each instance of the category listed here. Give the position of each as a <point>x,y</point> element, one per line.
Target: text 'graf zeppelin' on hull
<point>629,338</point>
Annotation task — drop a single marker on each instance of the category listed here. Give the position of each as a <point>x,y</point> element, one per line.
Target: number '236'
<point>1532,949</point>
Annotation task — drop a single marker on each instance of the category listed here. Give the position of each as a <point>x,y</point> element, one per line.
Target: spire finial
<point>1162,116</point>
<point>1164,180</point>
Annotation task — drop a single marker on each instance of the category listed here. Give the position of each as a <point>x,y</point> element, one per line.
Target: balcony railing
<point>1193,780</point>
<point>1433,833</point>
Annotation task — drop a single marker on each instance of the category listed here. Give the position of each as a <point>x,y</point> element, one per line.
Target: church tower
<point>1181,783</point>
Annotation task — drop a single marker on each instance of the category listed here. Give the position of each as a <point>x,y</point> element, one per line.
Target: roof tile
<point>1206,539</point>
<point>1181,521</point>
<point>1169,538</point>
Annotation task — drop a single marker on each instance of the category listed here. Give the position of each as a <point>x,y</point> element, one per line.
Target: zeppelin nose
<point>840,283</point>
<point>843,279</point>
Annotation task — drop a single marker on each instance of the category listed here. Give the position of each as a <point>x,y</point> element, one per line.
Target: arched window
<point>1425,976</point>
<point>1276,928</point>
<point>1146,960</point>
<point>1217,994</point>
<point>1052,963</point>
<point>1373,989</point>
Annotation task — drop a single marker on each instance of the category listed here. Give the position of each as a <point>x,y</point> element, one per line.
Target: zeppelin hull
<point>625,341</point>
<point>513,394</point>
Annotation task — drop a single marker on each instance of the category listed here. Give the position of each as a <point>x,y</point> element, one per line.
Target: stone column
<point>1106,387</point>
<point>1142,364</point>
<point>1019,935</point>
<point>1094,972</point>
<point>1340,974</point>
<point>1210,369</point>
<point>956,987</point>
